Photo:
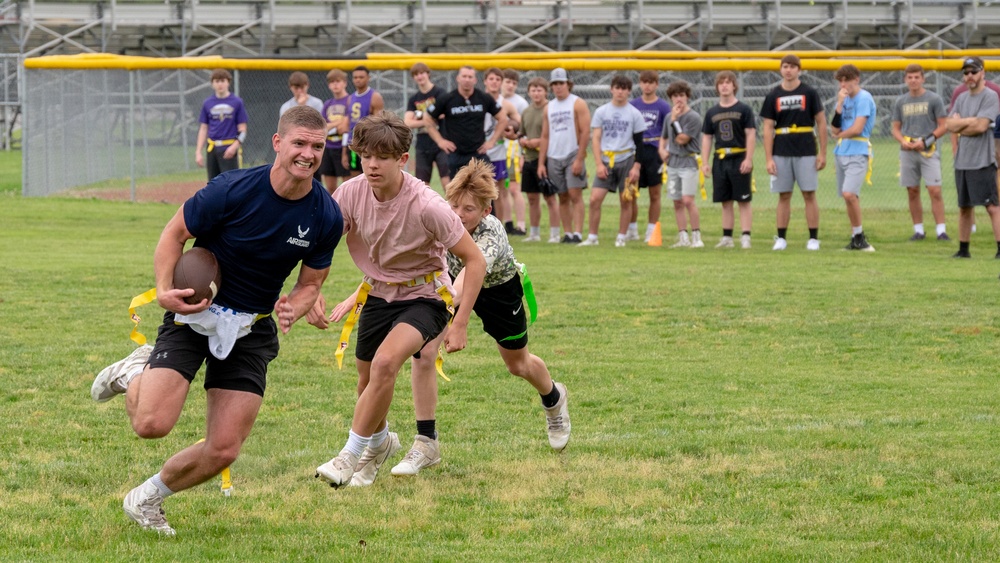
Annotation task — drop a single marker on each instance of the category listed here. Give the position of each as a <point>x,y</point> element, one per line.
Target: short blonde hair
<point>474,180</point>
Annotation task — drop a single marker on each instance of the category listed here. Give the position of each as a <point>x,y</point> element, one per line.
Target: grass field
<point>726,405</point>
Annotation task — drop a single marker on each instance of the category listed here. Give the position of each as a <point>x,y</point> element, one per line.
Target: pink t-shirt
<point>400,239</point>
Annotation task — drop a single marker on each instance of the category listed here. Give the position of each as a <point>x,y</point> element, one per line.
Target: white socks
<point>918,228</point>
<point>356,444</point>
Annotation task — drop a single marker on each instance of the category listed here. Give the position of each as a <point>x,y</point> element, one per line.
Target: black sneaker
<point>863,245</point>
<point>509,227</point>
<point>943,236</point>
<point>517,232</point>
<point>577,239</point>
<point>567,239</point>
<point>918,236</point>
<point>853,245</point>
<point>961,254</point>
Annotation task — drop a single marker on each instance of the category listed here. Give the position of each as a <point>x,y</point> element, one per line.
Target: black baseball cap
<point>974,63</point>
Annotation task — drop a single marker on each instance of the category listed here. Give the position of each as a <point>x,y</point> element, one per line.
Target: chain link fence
<point>88,126</point>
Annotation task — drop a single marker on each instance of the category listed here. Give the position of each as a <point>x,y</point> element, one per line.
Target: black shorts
<point>501,308</point>
<point>424,165</point>
<point>529,177</point>
<point>378,317</point>
<point>216,164</point>
<point>728,183</point>
<point>456,160</point>
<point>649,166</point>
<point>977,187</point>
<point>183,350</point>
<point>332,165</point>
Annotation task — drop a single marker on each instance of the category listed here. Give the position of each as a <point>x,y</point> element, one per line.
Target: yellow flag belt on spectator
<point>138,301</point>
<point>514,161</point>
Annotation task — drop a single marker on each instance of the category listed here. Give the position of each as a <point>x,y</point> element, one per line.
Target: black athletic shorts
<point>216,164</point>
<point>457,160</point>
<point>728,183</point>
<point>183,350</point>
<point>649,166</point>
<point>529,177</point>
<point>332,165</point>
<point>378,317</point>
<point>977,187</point>
<point>424,165</point>
<point>501,308</point>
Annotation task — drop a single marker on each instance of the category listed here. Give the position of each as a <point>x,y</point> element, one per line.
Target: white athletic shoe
<point>632,235</point>
<point>725,242</point>
<point>111,380</point>
<point>682,240</point>
<point>745,242</point>
<point>588,242</point>
<point>339,470</point>
<point>372,459</point>
<point>424,453</point>
<point>532,238</point>
<point>696,241</point>
<point>813,244</point>
<point>555,240</point>
<point>557,418</point>
<point>779,244</point>
<point>144,505</point>
<point>620,243</point>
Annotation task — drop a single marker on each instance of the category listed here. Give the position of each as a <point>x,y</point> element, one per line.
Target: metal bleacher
<point>353,27</point>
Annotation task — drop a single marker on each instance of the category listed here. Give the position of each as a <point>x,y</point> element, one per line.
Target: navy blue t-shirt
<point>259,237</point>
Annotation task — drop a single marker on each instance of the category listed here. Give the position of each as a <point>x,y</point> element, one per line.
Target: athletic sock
<point>550,400</point>
<point>553,232</point>
<point>379,437</point>
<point>782,233</point>
<point>747,233</point>
<point>633,227</point>
<point>536,231</point>
<point>814,233</point>
<point>356,444</point>
<point>918,228</point>
<point>727,233</point>
<point>649,228</point>
<point>427,428</point>
<point>941,229</point>
<point>591,237</point>
<point>160,486</point>
<point>857,230</point>
<point>578,234</point>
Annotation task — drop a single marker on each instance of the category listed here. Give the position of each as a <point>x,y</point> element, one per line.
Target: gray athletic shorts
<point>561,175</point>
<point>851,172</point>
<point>616,176</point>
<point>681,182</point>
<point>792,170</point>
<point>913,166</point>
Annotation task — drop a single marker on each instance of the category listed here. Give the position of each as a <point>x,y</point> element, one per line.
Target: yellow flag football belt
<point>145,298</point>
<point>927,153</point>
<point>792,130</point>
<point>514,161</point>
<point>871,156</point>
<point>212,143</point>
<point>723,153</point>
<point>611,156</point>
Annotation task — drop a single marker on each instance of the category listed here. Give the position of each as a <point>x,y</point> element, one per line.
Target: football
<point>197,269</point>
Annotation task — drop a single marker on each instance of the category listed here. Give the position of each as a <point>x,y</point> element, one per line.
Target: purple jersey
<point>359,106</point>
<point>654,114</point>
<point>222,115</point>
<point>333,111</point>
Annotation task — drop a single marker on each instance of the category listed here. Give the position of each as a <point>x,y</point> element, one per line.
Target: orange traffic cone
<point>656,239</point>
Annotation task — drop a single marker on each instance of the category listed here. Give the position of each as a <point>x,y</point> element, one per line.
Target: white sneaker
<point>532,238</point>
<point>619,243</point>
<point>111,381</point>
<point>424,453</point>
<point>372,459</point>
<point>779,244</point>
<point>725,242</point>
<point>745,242</point>
<point>696,241</point>
<point>339,470</point>
<point>588,242</point>
<point>144,505</point>
<point>682,240</point>
<point>557,418</point>
<point>555,240</point>
<point>632,235</point>
<point>813,244</point>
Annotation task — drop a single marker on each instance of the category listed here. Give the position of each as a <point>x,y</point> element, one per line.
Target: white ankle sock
<point>379,437</point>
<point>536,231</point>
<point>553,232</point>
<point>918,228</point>
<point>356,444</point>
<point>941,229</point>
<point>857,230</point>
<point>160,485</point>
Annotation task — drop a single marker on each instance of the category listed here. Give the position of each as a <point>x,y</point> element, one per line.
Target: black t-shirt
<point>464,118</point>
<point>793,107</point>
<point>420,102</point>
<point>729,125</point>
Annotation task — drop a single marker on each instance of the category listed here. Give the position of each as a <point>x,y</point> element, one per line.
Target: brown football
<point>197,269</point>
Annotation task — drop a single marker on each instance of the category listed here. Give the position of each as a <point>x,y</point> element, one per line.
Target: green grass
<point>726,405</point>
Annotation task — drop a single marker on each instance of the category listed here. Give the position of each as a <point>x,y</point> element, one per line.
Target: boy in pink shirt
<point>398,232</point>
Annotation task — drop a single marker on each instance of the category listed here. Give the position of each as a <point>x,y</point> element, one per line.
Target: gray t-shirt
<point>918,115</point>
<point>313,102</point>
<point>618,124</point>
<point>976,151</point>
<point>684,156</point>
